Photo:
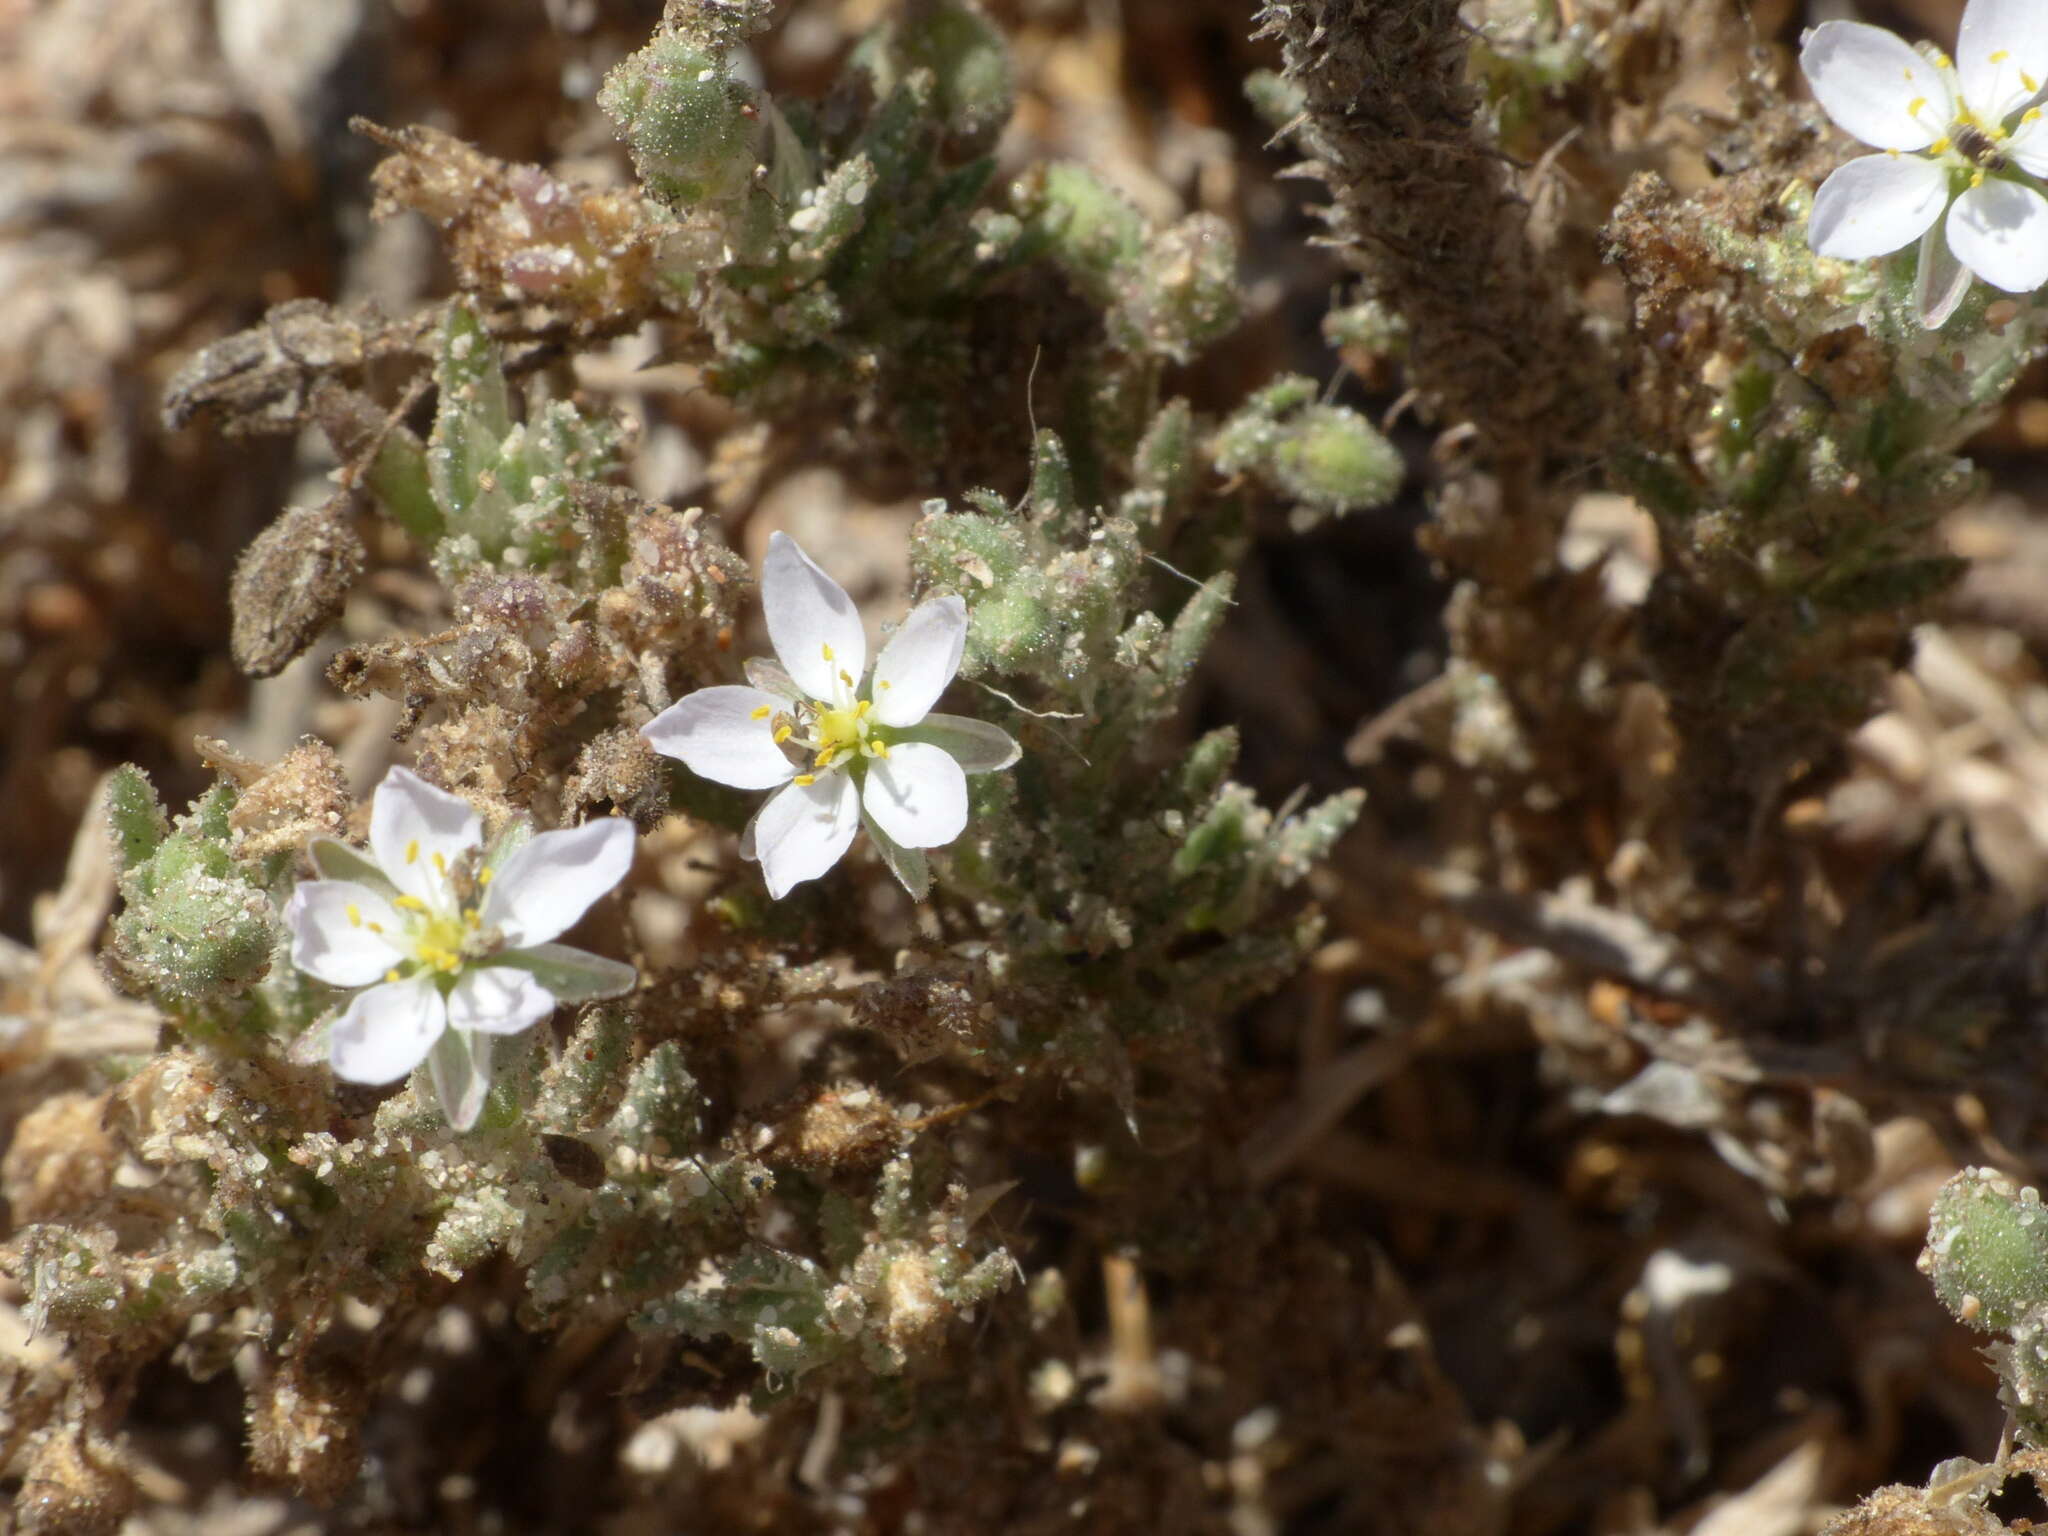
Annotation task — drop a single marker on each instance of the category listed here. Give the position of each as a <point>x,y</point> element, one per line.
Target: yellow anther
<point>827,651</point>
<point>783,733</point>
<point>376,927</point>
<point>1913,108</point>
<point>805,780</point>
<point>392,975</point>
<point>2029,81</point>
<point>1976,178</point>
<point>412,851</point>
<point>846,677</point>
<point>862,708</point>
<point>355,915</point>
<point>484,877</point>
<point>471,918</point>
<point>440,865</point>
<point>823,759</point>
<point>2032,114</point>
<point>1942,61</point>
<point>763,712</point>
<point>408,903</point>
<point>2001,56</point>
<point>881,748</point>
<point>1938,147</point>
<point>882,682</point>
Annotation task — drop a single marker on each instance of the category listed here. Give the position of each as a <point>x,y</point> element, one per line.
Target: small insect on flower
<point>843,748</point>
<point>1962,141</point>
<point>450,941</point>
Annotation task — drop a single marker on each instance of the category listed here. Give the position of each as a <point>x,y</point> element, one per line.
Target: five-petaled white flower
<point>1960,138</point>
<point>451,941</point>
<point>841,747</point>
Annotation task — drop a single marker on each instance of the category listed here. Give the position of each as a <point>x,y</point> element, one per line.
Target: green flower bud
<point>693,130</point>
<point>1987,1249</point>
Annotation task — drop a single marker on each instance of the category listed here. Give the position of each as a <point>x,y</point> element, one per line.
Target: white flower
<point>450,941</point>
<point>870,748</point>
<point>1960,139</point>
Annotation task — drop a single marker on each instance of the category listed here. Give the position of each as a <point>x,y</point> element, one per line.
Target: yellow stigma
<point>412,851</point>
<point>763,712</point>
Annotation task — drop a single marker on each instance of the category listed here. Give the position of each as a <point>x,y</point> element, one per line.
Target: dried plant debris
<point>871,993</point>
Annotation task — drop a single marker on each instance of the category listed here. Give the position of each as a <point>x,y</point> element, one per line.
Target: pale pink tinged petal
<point>724,734</point>
<point>804,830</point>
<point>542,889</point>
<point>498,1000</point>
<point>2000,232</point>
<point>917,794</point>
<point>387,1031</point>
<point>460,1067</point>
<point>2002,56</point>
<point>410,822</point>
<point>1875,86</point>
<point>975,745</point>
<point>1941,282</point>
<point>343,933</point>
<point>812,621</point>
<point>919,660</point>
<point>1876,205</point>
<point>2028,146</point>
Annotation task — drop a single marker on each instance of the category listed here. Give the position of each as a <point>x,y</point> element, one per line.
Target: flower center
<point>438,939</point>
<point>835,735</point>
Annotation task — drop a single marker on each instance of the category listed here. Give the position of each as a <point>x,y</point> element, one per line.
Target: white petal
<point>1876,205</point>
<point>802,832</point>
<point>2002,56</point>
<point>1870,82</point>
<point>387,1031</point>
<point>917,794</point>
<point>336,937</point>
<point>1941,282</point>
<point>2028,146</point>
<point>2000,232</point>
<point>572,975</point>
<point>724,734</point>
<point>498,1000</point>
<point>461,1069</point>
<point>812,621</point>
<point>919,660</point>
<point>410,822</point>
<point>546,885</point>
<point>975,745</point>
